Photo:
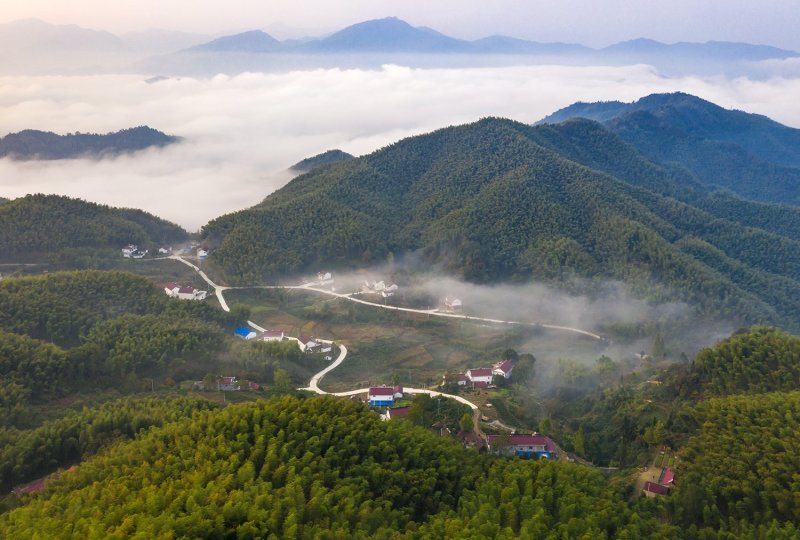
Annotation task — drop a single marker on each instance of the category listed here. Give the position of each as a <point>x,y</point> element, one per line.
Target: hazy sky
<point>592,22</point>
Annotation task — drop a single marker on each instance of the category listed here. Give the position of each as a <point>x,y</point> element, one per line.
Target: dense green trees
<point>36,225</point>
<point>756,360</point>
<point>500,200</point>
<point>28,454</point>
<point>318,467</point>
<point>739,474</point>
<point>325,158</point>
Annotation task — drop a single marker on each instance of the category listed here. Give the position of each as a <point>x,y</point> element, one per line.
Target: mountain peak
<point>250,41</point>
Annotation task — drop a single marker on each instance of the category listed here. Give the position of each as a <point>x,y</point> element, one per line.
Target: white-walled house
<point>273,335</point>
<point>503,369</point>
<point>307,344</point>
<point>176,290</point>
<point>381,396</point>
<point>480,376</point>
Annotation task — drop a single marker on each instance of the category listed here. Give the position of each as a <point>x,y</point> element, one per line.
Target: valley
<point>469,286</point>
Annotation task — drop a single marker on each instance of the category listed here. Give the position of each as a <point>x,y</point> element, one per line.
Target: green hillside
<point>739,473</point>
<point>48,224</point>
<point>748,154</point>
<point>325,158</point>
<point>320,468</point>
<point>498,200</point>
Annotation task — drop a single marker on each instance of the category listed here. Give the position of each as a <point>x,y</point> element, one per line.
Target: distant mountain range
<point>34,46</point>
<point>44,145</point>
<point>748,154</point>
<point>497,200</point>
<point>392,35</point>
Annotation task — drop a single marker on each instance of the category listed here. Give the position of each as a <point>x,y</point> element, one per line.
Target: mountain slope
<point>45,224</point>
<point>388,35</point>
<point>325,158</point>
<point>252,41</point>
<point>491,201</point>
<point>32,144</point>
<point>746,153</point>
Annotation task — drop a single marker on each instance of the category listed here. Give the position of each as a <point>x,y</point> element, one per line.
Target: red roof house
<point>651,489</point>
<point>503,369</point>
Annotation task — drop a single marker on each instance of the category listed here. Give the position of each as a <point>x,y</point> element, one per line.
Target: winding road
<point>313,385</point>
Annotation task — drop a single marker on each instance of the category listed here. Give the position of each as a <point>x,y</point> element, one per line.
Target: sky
<point>591,22</point>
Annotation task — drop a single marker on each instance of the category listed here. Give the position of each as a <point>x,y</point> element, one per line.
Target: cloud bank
<point>243,132</point>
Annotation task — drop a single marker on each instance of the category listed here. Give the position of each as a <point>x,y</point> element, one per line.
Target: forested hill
<point>46,224</point>
<point>499,200</point>
<point>321,468</point>
<point>44,145</point>
<point>325,158</point>
<point>748,154</point>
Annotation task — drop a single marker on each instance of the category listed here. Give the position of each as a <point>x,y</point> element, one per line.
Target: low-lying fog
<point>243,132</point>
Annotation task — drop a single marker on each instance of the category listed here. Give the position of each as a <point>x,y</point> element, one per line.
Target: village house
<point>324,278</point>
<point>381,396</point>
<point>164,250</point>
<point>202,253</point>
<point>480,377</point>
<point>662,486</point>
<point>397,412</point>
<point>652,489</point>
<point>307,344</point>
<point>454,378</point>
<point>379,287</point>
<point>132,251</point>
<point>244,333</point>
<point>503,369</point>
<point>273,335</point>
<point>228,384</point>
<point>176,290</point>
<point>452,305</point>
<point>535,445</point>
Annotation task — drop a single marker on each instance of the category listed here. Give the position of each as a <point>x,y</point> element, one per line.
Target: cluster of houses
<point>379,287</point>
<point>451,305</point>
<point>184,292</point>
<point>131,251</point>
<point>662,486</point>
<point>482,377</point>
<point>307,344</point>
<point>535,445</point>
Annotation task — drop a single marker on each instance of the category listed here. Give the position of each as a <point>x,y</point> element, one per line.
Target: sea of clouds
<point>242,132</point>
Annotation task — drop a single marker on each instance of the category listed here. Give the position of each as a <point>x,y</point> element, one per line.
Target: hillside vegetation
<point>50,224</point>
<point>325,158</point>
<point>31,144</point>
<point>497,200</point>
<point>748,154</point>
<point>754,361</point>
<point>320,467</point>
